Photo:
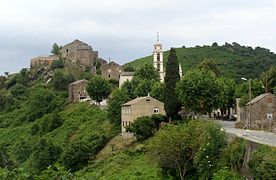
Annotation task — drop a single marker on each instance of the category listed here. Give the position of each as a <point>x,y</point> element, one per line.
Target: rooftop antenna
<point>157,36</point>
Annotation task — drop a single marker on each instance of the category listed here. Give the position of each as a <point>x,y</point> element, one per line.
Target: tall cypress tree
<point>171,102</point>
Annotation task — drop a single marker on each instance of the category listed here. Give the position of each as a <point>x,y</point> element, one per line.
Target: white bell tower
<point>158,62</point>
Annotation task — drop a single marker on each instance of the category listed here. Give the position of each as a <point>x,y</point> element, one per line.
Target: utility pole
<point>249,116</point>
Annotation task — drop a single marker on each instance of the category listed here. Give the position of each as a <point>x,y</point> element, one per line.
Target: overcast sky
<point>124,30</point>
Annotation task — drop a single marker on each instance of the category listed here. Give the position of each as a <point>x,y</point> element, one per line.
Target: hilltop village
<point>199,112</point>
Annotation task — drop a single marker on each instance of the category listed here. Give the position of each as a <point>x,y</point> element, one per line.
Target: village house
<point>43,61</point>
<point>111,70</point>
<point>125,76</point>
<point>262,114</point>
<point>80,53</point>
<point>77,91</point>
<point>141,106</point>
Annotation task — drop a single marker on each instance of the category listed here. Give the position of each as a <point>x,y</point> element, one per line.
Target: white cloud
<point>125,30</point>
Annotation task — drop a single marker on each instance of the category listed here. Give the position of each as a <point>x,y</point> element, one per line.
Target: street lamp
<point>249,115</point>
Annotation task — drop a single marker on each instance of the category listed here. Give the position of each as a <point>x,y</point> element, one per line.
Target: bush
<point>225,174</point>
<point>61,81</point>
<point>188,150</point>
<point>18,90</point>
<point>263,163</point>
<point>142,128</point>
<point>42,101</point>
<point>79,152</point>
<point>57,64</point>
<point>44,154</point>
<point>233,154</point>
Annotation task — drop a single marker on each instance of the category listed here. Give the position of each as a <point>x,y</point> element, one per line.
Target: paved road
<point>261,137</point>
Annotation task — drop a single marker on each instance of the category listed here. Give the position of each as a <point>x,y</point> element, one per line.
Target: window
<point>67,50</point>
<point>158,57</point>
<point>109,75</point>
<point>156,111</point>
<point>123,123</point>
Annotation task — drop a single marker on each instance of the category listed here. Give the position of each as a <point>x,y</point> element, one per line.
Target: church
<point>158,60</point>
<point>158,64</point>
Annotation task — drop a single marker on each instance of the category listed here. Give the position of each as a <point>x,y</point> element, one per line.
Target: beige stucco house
<point>262,116</point>
<point>141,106</point>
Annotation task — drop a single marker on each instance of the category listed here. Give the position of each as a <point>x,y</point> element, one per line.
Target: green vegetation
<point>199,91</point>
<point>233,60</point>
<point>144,127</point>
<point>98,89</point>
<point>42,136</point>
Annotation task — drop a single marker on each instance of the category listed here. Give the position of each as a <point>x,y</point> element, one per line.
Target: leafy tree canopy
<point>98,88</point>
<point>199,91</point>
<point>56,49</point>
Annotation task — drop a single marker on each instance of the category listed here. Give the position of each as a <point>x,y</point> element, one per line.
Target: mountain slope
<point>234,61</point>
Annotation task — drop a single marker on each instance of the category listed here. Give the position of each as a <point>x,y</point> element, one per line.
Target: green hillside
<point>233,60</point>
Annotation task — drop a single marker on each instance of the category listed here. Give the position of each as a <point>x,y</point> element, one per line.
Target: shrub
<point>142,128</point>
<point>44,154</point>
<point>225,174</point>
<point>263,163</point>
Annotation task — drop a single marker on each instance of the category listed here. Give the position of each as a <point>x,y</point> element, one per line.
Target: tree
<point>188,151</point>
<point>56,49</point>
<point>61,80</point>
<point>171,103</point>
<point>209,65</point>
<point>157,91</point>
<point>199,91</point>
<point>269,79</point>
<point>98,89</point>
<point>227,99</point>
<point>242,90</point>
<point>117,98</point>
<point>147,72</point>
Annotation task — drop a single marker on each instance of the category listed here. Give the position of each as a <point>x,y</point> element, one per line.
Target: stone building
<point>125,76</point>
<point>141,106</point>
<point>79,52</point>
<point>43,61</point>
<point>77,91</point>
<point>111,70</point>
<point>262,116</point>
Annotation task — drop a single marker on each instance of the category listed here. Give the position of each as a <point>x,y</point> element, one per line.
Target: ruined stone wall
<point>43,61</point>
<point>79,52</point>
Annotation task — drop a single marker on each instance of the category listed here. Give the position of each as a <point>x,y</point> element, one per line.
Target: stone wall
<point>77,91</point>
<point>79,52</point>
<point>43,61</point>
<point>111,70</point>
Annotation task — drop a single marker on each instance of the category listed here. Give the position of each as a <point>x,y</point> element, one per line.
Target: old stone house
<point>262,116</point>
<point>43,60</point>
<point>141,106</point>
<point>80,53</point>
<point>111,70</point>
<point>125,76</point>
<point>77,91</point>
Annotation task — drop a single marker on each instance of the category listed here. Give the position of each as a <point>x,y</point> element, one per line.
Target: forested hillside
<point>234,60</point>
